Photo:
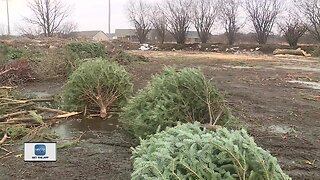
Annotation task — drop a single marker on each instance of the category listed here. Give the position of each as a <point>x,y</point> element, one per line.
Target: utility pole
<point>109,17</point>
<point>8,18</point>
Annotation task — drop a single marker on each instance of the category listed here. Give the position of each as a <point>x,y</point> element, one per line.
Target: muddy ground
<point>276,98</point>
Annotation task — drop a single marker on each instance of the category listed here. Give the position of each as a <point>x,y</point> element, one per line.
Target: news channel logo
<point>38,151</point>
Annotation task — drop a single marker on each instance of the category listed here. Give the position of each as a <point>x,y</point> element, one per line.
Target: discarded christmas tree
<point>172,96</point>
<point>188,152</point>
<point>97,84</point>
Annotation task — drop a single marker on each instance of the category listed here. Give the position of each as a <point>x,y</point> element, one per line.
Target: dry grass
<point>189,55</point>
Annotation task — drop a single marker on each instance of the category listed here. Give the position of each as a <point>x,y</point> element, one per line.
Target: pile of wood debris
<point>28,113</point>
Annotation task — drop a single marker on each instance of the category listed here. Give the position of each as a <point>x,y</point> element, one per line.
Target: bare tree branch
<point>48,15</point>
<point>204,15</point>
<point>263,14</point>
<point>311,10</point>
<point>229,13</point>
<point>159,22</point>
<point>66,28</point>
<point>29,31</point>
<point>178,13</point>
<point>292,29</point>
<point>139,16</point>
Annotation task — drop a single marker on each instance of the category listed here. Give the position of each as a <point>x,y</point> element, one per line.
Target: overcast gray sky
<point>88,14</point>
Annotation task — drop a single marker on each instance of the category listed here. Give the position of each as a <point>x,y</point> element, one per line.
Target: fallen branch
<point>6,87</point>
<point>13,114</point>
<point>16,102</point>
<point>13,103</point>
<point>6,150</point>
<point>67,115</point>
<point>13,100</point>
<point>1,157</point>
<point>4,138</point>
<point>25,105</point>
<point>7,71</point>
<point>51,110</point>
<point>41,100</point>
<point>20,119</point>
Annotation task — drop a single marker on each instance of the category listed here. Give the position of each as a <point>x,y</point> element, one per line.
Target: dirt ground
<point>271,96</point>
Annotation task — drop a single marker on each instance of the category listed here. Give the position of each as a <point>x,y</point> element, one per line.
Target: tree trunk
<point>103,111</point>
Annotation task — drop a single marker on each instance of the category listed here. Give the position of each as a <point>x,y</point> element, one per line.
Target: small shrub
<point>8,53</point>
<point>76,52</point>
<point>52,65</point>
<point>173,96</point>
<point>83,50</point>
<point>97,83</point>
<point>123,57</point>
<point>187,152</point>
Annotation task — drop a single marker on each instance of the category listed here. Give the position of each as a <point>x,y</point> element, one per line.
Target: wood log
<point>298,52</point>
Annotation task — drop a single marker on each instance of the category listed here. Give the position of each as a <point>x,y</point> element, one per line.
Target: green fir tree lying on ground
<point>188,152</point>
<point>174,95</point>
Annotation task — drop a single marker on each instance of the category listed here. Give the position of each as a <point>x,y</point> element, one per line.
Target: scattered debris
<point>16,72</point>
<point>281,129</point>
<point>18,115</point>
<point>144,47</point>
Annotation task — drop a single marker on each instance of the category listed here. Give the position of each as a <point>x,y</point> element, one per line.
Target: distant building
<point>126,35</point>
<point>111,35</point>
<point>130,35</point>
<point>90,35</point>
<point>193,37</point>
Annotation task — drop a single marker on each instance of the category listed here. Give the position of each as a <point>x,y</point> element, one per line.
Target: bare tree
<point>29,31</point>
<point>140,18</point>
<point>66,28</point>
<point>178,13</point>
<point>263,14</point>
<point>229,16</point>
<point>159,23</point>
<point>311,10</point>
<point>48,15</point>
<point>204,15</point>
<point>292,29</point>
